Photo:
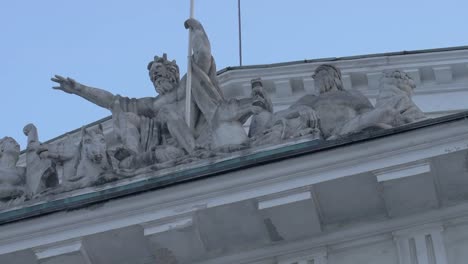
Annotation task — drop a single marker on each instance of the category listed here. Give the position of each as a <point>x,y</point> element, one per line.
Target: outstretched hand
<point>192,23</point>
<point>67,85</point>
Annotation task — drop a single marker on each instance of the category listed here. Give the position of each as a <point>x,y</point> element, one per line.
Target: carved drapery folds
<point>151,134</point>
<point>269,127</point>
<point>12,178</point>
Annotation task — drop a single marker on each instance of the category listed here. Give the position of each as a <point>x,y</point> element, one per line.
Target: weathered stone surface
<point>11,176</point>
<point>224,118</point>
<point>396,89</point>
<point>268,127</point>
<point>149,124</point>
<point>84,165</point>
<point>261,120</point>
<point>151,133</point>
<point>64,154</point>
<point>342,112</point>
<point>40,171</point>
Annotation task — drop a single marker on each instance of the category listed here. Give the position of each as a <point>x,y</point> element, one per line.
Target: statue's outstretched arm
<point>200,45</point>
<point>97,96</point>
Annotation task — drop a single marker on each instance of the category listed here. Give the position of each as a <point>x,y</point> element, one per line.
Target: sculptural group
<point>151,133</point>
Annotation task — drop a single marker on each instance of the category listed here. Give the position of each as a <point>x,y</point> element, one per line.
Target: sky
<point>108,44</point>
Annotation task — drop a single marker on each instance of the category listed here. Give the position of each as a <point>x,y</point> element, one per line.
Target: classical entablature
<point>323,161</point>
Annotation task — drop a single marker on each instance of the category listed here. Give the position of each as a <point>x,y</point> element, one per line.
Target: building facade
<point>393,196</point>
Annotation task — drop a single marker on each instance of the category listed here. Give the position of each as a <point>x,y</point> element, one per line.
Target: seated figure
<point>156,124</point>
<point>140,125</point>
<point>12,178</point>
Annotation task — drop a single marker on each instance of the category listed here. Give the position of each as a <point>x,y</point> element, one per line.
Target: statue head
<point>164,74</point>
<point>400,79</point>
<point>9,146</point>
<point>327,78</point>
<point>260,96</point>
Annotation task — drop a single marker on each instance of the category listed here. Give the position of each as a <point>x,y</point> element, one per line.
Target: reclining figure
<point>341,111</point>
<point>268,127</point>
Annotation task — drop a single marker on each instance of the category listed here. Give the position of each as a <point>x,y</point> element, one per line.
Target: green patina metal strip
<point>211,170</point>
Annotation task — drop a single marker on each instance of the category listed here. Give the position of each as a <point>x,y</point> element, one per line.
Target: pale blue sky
<point>108,44</point>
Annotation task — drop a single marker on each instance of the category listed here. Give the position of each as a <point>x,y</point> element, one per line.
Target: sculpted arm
<point>202,50</point>
<point>97,96</point>
<point>200,45</point>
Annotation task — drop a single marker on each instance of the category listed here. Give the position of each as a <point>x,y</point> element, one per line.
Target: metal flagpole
<point>188,92</point>
<point>240,31</point>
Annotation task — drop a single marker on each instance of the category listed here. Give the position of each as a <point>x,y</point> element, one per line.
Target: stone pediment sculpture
<point>12,178</point>
<point>343,112</point>
<point>41,172</point>
<point>25,182</point>
<point>81,165</point>
<point>150,134</point>
<point>268,127</point>
<point>395,91</point>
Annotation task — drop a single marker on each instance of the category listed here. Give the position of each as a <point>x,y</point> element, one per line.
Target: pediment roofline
<point>89,196</point>
<point>346,58</point>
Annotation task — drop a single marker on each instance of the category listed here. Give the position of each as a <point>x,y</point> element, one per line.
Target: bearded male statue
<point>138,124</point>
<point>343,112</point>
<point>157,123</point>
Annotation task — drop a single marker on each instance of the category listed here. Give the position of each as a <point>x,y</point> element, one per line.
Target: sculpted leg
<point>177,128</point>
<point>126,128</point>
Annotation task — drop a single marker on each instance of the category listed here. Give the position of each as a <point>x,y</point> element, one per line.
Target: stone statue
<point>82,165</point>
<point>342,112</point>
<point>64,154</point>
<point>396,89</point>
<point>151,133</point>
<point>41,172</point>
<point>218,122</point>
<point>262,120</point>
<point>93,160</point>
<point>12,179</point>
<point>164,151</point>
<point>139,123</point>
<point>268,127</point>
<point>147,124</point>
